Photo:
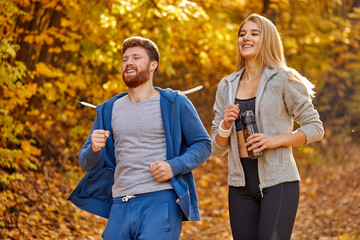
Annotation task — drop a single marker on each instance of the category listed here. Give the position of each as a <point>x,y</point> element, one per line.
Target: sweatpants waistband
<point>158,194</point>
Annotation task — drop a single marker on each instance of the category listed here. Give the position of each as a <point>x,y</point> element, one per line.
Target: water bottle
<point>249,127</point>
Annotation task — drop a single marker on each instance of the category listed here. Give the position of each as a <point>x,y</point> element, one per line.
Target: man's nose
<point>129,61</point>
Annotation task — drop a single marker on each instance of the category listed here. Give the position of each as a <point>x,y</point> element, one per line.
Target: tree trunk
<point>45,56</point>
<point>26,50</point>
<point>356,4</point>
<point>266,4</point>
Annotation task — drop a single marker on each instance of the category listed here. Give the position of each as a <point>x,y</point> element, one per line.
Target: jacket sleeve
<point>299,105</point>
<point>87,157</point>
<point>218,109</point>
<point>195,137</point>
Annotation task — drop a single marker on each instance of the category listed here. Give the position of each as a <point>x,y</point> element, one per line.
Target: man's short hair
<point>149,46</point>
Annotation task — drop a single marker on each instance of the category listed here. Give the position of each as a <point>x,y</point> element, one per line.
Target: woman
<point>263,193</point>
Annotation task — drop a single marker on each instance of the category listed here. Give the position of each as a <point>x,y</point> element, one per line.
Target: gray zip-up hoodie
<point>280,100</point>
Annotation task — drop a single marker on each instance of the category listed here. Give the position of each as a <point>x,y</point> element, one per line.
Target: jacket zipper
<point>172,137</point>
<point>187,190</point>
<point>230,102</point>
<point>187,187</point>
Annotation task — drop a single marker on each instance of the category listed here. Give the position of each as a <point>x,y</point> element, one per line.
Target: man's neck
<point>142,93</point>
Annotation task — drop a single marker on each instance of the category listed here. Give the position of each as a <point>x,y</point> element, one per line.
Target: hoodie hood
<point>168,93</point>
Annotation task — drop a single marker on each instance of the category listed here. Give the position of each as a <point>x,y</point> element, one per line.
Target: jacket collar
<point>234,78</point>
<point>168,93</point>
<point>268,73</point>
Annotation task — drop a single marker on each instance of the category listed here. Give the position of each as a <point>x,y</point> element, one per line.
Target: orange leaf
<point>28,148</point>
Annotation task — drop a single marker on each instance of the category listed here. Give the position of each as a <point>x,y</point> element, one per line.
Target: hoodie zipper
<point>230,102</point>
<point>187,187</point>
<point>173,126</point>
<point>187,190</point>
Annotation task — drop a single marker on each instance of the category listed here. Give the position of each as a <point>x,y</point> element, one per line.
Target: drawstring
<point>261,191</point>
<point>127,197</point>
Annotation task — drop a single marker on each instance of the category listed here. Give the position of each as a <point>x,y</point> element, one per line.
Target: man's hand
<point>161,171</point>
<point>98,139</point>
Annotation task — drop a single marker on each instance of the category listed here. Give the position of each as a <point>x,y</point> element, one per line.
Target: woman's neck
<point>253,70</point>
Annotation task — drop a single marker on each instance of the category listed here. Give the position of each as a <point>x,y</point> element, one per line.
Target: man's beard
<point>138,79</point>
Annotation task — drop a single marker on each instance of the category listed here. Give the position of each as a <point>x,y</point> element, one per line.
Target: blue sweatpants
<point>147,216</point>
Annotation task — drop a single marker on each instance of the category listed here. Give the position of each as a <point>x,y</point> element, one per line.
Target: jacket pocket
<point>273,158</point>
<point>98,186</point>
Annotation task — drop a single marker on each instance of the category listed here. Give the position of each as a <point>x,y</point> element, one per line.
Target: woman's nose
<point>246,37</point>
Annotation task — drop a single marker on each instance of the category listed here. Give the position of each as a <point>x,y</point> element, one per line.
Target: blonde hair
<point>271,53</point>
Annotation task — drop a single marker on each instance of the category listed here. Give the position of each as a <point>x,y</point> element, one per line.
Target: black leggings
<point>270,217</point>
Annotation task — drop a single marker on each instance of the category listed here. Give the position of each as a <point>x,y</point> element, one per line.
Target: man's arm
<point>90,153</point>
<point>196,138</point>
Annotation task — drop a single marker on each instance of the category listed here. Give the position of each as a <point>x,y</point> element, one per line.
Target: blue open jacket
<point>188,145</point>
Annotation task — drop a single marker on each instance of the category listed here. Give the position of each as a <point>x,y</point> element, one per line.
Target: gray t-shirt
<point>139,140</point>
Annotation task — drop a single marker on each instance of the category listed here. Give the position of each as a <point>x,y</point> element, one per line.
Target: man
<point>140,155</point>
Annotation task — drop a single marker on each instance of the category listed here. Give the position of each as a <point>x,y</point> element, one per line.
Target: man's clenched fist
<point>98,139</point>
<point>161,171</point>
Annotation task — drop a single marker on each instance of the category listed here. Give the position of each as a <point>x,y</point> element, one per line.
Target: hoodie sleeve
<point>218,109</point>
<point>195,137</point>
<point>299,105</point>
<point>87,157</point>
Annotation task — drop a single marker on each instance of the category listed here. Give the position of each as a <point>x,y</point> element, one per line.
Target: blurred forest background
<point>54,52</point>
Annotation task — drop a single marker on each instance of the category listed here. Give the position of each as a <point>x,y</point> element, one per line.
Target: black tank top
<point>244,105</point>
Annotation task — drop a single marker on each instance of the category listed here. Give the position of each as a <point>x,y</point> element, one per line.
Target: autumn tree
<point>55,52</point>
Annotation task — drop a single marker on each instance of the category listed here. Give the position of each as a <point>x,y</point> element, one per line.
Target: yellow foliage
<point>204,183</point>
<point>48,71</point>
<point>55,50</point>
<point>72,47</point>
<point>41,124</point>
<point>28,148</point>
<point>346,236</point>
<point>50,4</point>
<point>29,39</point>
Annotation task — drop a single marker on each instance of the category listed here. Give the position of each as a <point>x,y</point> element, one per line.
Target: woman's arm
<point>299,105</point>
<point>264,141</point>
<point>231,113</point>
<point>221,144</point>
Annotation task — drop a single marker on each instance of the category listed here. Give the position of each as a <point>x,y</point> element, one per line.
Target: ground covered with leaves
<point>329,205</point>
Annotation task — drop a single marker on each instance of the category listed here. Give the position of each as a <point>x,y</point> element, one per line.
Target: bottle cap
<point>247,117</point>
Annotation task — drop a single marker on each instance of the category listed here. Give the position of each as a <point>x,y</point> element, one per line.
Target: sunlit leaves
<point>10,73</point>
<point>55,52</point>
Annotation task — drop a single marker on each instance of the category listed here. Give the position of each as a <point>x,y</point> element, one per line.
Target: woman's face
<point>249,40</point>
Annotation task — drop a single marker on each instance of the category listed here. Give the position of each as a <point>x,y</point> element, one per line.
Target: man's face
<point>135,67</point>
